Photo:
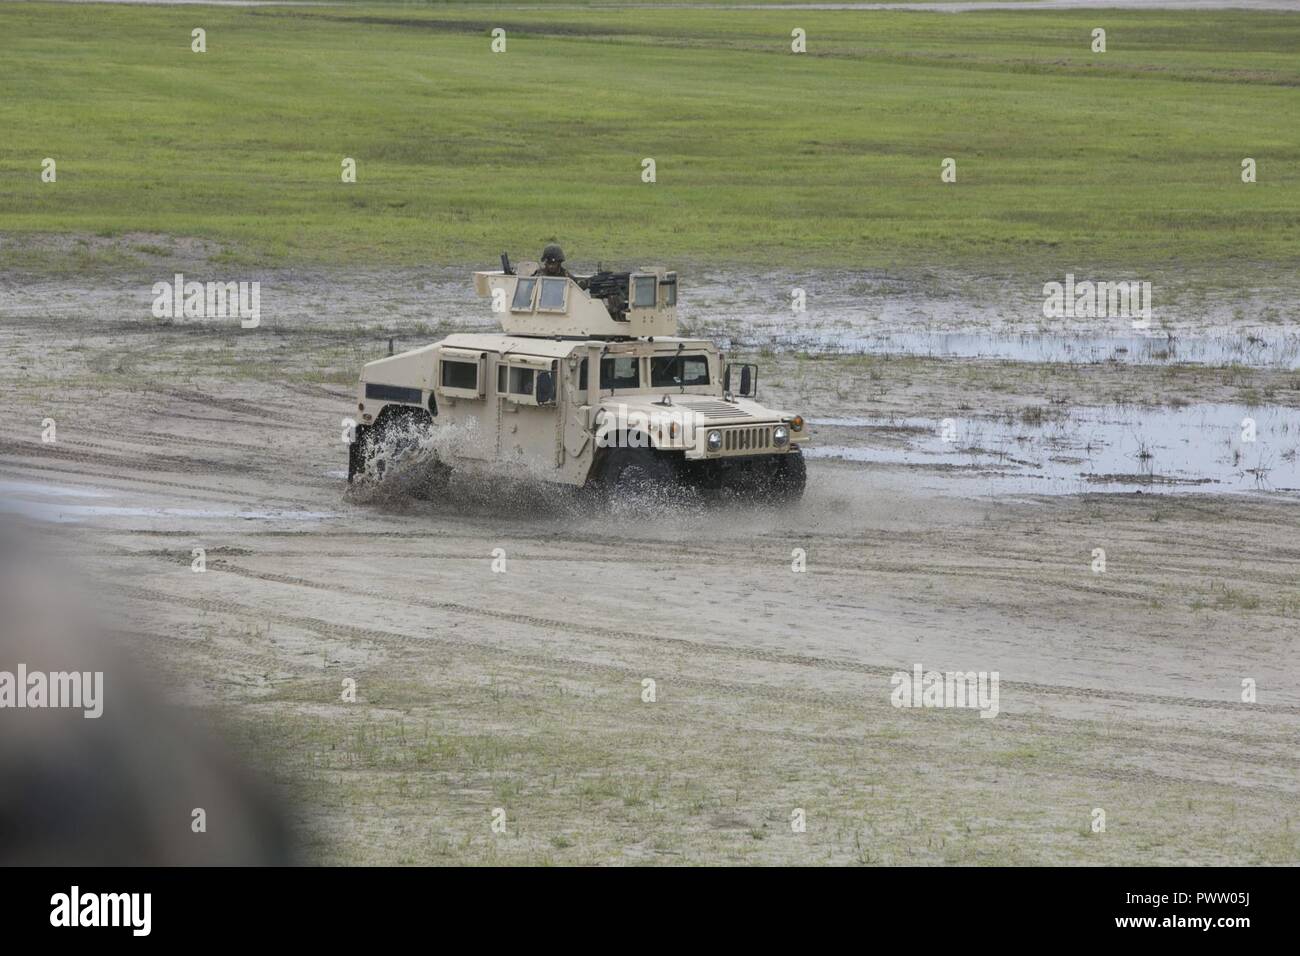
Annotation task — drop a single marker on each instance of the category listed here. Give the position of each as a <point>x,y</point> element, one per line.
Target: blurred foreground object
<point>121,788</point>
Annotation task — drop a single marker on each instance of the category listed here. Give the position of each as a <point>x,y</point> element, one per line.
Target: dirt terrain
<point>525,689</point>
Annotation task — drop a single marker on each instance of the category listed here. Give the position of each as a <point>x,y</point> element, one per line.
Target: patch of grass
<point>1224,598</point>
<point>1064,157</point>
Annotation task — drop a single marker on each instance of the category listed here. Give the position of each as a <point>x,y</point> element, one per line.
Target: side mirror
<point>545,388</point>
<point>748,381</point>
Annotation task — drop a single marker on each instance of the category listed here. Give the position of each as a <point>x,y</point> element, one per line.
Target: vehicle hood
<point>708,410</point>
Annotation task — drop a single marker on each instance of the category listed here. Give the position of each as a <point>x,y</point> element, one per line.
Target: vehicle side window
<point>523,300</point>
<point>621,372</point>
<point>679,370</point>
<point>553,294</point>
<point>459,374</point>
<point>643,291</point>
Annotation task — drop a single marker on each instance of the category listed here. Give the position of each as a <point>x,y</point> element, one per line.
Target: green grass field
<point>1064,157</point>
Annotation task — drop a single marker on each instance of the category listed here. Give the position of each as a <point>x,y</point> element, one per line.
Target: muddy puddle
<point>987,317</point>
<point>1195,448</point>
<point>845,312</point>
<point>1257,349</point>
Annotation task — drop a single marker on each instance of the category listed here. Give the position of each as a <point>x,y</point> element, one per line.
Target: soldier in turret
<point>553,265</point>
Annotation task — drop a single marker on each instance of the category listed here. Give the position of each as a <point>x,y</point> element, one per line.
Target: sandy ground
<point>525,690</point>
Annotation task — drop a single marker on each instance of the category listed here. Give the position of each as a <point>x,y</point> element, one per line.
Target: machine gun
<point>612,287</point>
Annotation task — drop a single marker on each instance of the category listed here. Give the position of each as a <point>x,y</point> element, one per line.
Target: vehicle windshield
<point>673,371</point>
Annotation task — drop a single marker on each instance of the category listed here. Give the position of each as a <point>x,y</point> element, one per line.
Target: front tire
<point>636,472</point>
<point>790,478</point>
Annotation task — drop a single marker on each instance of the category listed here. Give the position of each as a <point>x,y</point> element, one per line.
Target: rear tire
<point>433,484</point>
<point>356,452</point>
<point>397,432</point>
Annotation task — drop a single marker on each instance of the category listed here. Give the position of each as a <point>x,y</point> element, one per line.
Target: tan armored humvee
<point>584,387</point>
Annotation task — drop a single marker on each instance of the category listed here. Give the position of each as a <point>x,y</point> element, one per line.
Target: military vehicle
<point>587,385</point>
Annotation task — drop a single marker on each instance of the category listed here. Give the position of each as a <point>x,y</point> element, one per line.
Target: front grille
<point>747,440</point>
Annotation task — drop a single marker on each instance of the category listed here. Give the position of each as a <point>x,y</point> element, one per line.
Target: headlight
<point>780,435</point>
<point>714,440</point>
<point>796,423</point>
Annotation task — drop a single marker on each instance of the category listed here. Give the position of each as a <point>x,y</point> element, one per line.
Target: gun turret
<point>613,305</point>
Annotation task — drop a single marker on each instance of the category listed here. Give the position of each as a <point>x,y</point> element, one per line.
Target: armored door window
<point>523,300</point>
<point>463,375</point>
<point>643,291</point>
<point>554,294</point>
<point>521,380</point>
<point>622,372</point>
<point>546,386</point>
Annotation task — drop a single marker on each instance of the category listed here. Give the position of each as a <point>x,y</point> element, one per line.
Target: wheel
<point>396,434</point>
<point>790,477</point>
<point>432,483</point>
<point>635,471</point>
<point>356,452</point>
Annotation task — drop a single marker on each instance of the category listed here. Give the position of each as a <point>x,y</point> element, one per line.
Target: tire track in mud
<point>1071,725</point>
<point>733,651</point>
<point>840,567</point>
<point>233,406</point>
<point>672,722</point>
<point>322,391</point>
<point>671,554</point>
<point>256,500</point>
<point>156,462</point>
<point>266,663</point>
<point>143,449</point>
<point>128,411</point>
<point>669,551</point>
<point>169,438</point>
